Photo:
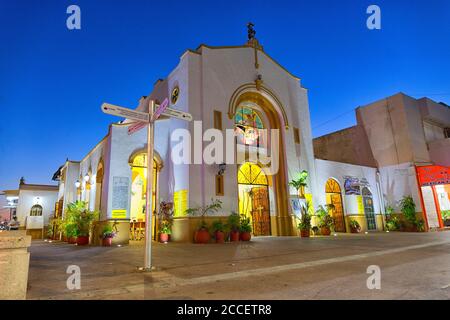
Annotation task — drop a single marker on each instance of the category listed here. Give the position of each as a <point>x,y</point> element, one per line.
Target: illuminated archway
<point>334,197</point>
<point>138,163</point>
<point>271,109</point>
<point>254,197</point>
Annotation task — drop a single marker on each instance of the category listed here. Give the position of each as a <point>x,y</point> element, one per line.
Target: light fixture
<point>86,177</point>
<point>222,168</point>
<point>77,183</point>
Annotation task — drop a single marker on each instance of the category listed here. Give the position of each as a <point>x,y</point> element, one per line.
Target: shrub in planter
<point>202,233</point>
<point>82,217</point>
<point>245,228</point>
<point>326,222</point>
<point>165,219</point>
<point>218,228</point>
<point>408,208</point>
<point>446,217</point>
<point>71,232</point>
<point>233,225</point>
<point>107,235</point>
<point>392,223</point>
<point>305,221</point>
<point>354,226</point>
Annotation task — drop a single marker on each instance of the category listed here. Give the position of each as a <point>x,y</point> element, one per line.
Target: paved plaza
<point>413,266</point>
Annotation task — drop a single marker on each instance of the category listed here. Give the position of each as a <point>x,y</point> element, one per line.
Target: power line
<point>332,119</point>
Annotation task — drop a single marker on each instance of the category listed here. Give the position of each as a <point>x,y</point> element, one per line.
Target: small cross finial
<point>250,31</point>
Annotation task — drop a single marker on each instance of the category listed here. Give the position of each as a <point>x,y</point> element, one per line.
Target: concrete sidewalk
<point>414,265</point>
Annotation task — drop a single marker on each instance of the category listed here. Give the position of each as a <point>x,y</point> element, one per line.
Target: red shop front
<point>434,189</point>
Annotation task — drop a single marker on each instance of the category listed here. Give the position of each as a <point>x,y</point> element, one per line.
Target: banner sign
<point>433,175</point>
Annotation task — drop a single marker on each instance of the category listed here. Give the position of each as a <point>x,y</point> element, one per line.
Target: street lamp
<point>86,177</point>
<point>77,183</point>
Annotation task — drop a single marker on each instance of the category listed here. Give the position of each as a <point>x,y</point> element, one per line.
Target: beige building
<point>397,135</point>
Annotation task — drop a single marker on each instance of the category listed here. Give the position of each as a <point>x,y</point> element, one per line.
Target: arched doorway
<point>36,210</point>
<point>254,197</point>
<point>368,208</point>
<point>138,165</point>
<point>334,197</point>
<point>269,109</point>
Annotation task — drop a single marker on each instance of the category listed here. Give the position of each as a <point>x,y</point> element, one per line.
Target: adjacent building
<point>407,141</point>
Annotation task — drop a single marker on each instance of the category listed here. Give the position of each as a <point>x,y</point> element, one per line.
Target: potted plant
<point>392,223</point>
<point>408,208</point>
<point>202,233</point>
<point>446,217</point>
<point>300,183</point>
<point>107,235</point>
<point>165,219</point>
<point>233,225</point>
<point>218,227</point>
<point>354,226</point>
<point>71,232</point>
<point>245,228</point>
<point>82,218</point>
<point>305,222</point>
<point>325,220</point>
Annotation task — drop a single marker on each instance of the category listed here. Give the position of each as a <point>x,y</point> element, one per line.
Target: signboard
<point>135,127</point>
<point>360,204</point>
<point>125,112</point>
<point>160,109</point>
<point>177,114</point>
<point>180,201</point>
<point>121,188</point>
<point>430,207</point>
<point>433,175</point>
<point>119,214</point>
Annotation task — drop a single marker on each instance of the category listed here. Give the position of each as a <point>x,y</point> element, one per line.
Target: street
<point>412,265</point>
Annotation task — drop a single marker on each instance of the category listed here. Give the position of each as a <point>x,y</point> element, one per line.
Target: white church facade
<point>222,88</point>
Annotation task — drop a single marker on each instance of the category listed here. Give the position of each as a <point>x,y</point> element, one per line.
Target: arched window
<point>36,210</point>
<point>250,173</point>
<point>248,125</point>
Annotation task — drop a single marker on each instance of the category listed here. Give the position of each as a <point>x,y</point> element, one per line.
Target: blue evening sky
<point>53,80</point>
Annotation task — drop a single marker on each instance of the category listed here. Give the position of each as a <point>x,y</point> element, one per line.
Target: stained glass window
<point>248,125</point>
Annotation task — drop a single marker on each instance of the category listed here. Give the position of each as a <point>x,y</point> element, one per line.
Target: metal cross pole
<point>149,196</point>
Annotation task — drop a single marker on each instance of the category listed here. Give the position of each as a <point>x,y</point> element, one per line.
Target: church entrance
<point>254,197</point>
<point>334,198</point>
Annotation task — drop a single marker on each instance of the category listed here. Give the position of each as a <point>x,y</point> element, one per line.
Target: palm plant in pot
<point>165,219</point>
<point>202,233</point>
<point>219,228</point>
<point>107,235</point>
<point>245,228</point>
<point>233,224</point>
<point>82,217</point>
<point>325,220</point>
<point>70,229</point>
<point>305,222</point>
<point>300,183</point>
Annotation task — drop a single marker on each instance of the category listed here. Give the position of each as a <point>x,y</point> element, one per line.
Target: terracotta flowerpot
<point>163,237</point>
<point>72,240</point>
<point>305,233</point>
<point>82,240</point>
<point>325,231</point>
<point>220,237</point>
<point>106,242</point>
<point>234,236</point>
<point>245,236</point>
<point>202,236</point>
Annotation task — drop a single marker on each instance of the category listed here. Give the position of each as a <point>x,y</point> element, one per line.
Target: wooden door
<point>338,212</point>
<point>260,211</point>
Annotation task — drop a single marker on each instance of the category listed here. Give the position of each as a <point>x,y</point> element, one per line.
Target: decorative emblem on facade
<point>174,95</point>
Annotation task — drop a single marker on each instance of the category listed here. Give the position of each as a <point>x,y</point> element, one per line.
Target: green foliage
<point>245,225</point>
<point>354,224</point>
<point>108,231</point>
<point>325,219</point>
<point>305,220</point>
<point>315,230</point>
<point>203,211</point>
<point>55,226</point>
<point>445,214</point>
<point>70,230</point>
<point>392,223</point>
<point>300,181</point>
<point>218,225</point>
<point>408,208</point>
<point>165,217</point>
<point>389,210</point>
<point>420,225</point>
<point>233,221</point>
<point>78,214</point>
